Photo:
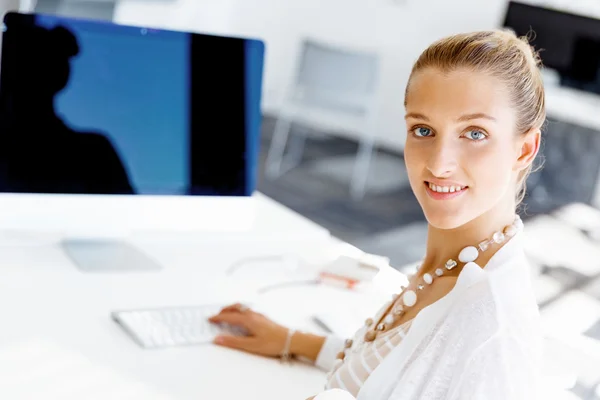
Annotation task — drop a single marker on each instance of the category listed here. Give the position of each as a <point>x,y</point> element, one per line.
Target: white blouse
<point>482,340</point>
<point>361,360</point>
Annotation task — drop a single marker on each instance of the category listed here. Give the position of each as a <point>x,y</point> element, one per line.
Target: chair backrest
<point>98,9</point>
<point>336,77</point>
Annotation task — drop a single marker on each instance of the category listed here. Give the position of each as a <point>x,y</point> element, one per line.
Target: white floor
<point>386,173</point>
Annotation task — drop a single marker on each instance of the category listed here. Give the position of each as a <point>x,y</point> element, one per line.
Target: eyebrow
<point>467,117</point>
<point>416,116</point>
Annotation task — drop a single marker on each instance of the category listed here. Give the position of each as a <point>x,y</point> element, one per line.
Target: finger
<point>231,318</point>
<point>235,342</point>
<point>229,308</point>
<point>237,307</point>
<point>233,307</point>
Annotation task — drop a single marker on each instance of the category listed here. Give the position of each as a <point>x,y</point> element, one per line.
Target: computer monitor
<point>108,129</point>
<point>568,43</point>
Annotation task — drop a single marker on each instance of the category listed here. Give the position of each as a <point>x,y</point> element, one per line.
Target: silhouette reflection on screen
<point>42,153</point>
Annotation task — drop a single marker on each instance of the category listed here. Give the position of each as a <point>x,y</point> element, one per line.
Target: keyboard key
<point>168,327</point>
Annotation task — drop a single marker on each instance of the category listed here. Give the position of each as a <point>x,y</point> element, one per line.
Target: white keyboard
<point>168,327</point>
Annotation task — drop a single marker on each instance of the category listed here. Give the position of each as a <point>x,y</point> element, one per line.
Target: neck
<point>443,244</point>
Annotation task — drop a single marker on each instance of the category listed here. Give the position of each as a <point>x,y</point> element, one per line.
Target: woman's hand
<point>265,337</point>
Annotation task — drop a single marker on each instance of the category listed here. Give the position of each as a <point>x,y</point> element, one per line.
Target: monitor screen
<point>560,36</point>
<point>90,107</point>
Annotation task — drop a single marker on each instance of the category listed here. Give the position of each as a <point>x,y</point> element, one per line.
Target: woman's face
<point>461,148</point>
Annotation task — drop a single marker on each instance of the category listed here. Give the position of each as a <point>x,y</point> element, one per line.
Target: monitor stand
<point>105,255</point>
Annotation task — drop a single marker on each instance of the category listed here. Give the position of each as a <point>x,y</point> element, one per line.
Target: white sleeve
<point>497,370</point>
<point>334,394</point>
<point>326,357</point>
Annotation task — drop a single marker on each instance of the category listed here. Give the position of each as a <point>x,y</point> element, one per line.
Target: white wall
<point>398,29</point>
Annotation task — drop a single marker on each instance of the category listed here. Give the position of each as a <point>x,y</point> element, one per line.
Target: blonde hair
<point>505,56</point>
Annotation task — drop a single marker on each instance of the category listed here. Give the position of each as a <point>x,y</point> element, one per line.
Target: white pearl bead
<point>439,272</point>
<point>338,363</point>
<point>519,224</point>
<point>428,279</point>
<point>409,298</point>
<point>498,237</point>
<point>468,254</point>
<point>389,319</point>
<point>510,230</point>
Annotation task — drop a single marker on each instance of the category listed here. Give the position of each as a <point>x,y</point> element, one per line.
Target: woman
<point>467,326</point>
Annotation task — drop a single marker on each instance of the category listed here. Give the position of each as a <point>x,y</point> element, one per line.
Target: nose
<point>442,161</point>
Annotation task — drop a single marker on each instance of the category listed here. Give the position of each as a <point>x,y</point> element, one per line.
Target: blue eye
<point>422,132</point>
<point>476,135</point>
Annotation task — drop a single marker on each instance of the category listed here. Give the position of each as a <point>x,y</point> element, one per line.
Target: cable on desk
<point>272,258</point>
<point>283,285</point>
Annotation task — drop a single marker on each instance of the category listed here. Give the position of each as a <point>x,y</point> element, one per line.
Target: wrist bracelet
<point>285,354</point>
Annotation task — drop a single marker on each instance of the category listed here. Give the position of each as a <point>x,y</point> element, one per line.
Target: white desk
<point>42,295</point>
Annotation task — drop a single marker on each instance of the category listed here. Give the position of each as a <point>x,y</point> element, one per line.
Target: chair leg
<point>362,166</point>
<point>296,151</point>
<point>277,147</point>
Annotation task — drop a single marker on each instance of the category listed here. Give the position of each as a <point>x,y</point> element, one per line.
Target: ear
<point>528,148</point>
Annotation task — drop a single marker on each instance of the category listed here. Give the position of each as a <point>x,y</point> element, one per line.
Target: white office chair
<point>95,9</point>
<point>570,359</point>
<point>340,82</point>
<point>10,5</point>
<point>596,198</point>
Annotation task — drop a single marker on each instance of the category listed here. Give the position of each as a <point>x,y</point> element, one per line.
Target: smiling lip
<point>446,195</point>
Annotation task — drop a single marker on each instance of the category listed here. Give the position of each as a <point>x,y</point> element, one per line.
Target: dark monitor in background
<point>89,107</point>
<point>568,43</point>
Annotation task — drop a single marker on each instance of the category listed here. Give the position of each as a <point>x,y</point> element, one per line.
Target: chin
<point>447,216</point>
<point>444,220</point>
